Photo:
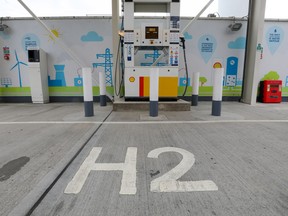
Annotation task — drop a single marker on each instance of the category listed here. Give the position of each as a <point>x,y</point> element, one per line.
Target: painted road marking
<point>128,183</point>
<point>168,182</point>
<point>145,122</point>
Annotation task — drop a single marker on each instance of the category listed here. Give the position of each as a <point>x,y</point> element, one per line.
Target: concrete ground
<point>235,164</point>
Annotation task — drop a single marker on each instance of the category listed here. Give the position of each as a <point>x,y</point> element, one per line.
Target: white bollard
<point>102,86</point>
<point>88,92</point>
<point>195,91</point>
<point>217,91</point>
<point>154,91</point>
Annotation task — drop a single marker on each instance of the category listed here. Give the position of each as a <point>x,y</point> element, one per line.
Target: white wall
<point>71,30</point>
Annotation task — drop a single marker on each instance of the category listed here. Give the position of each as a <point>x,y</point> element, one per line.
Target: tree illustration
<point>272,75</point>
<point>203,80</point>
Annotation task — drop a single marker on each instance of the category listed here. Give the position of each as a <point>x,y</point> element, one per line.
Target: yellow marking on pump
<point>168,86</point>
<point>146,86</point>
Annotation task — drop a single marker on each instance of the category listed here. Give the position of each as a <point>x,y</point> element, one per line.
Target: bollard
<point>217,91</point>
<point>154,91</point>
<point>88,92</point>
<point>195,91</point>
<point>102,86</point>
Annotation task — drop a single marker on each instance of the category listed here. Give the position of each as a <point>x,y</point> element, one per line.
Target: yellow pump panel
<point>168,87</point>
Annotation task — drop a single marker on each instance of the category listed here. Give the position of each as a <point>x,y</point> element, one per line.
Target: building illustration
<point>59,78</point>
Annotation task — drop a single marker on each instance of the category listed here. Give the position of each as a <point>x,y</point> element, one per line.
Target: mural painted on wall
<point>239,43</point>
<point>107,65</point>
<point>202,80</point>
<point>231,71</point>
<point>217,64</point>
<point>60,80</point>
<point>232,75</point>
<point>274,38</point>
<point>78,81</point>
<point>91,36</point>
<point>30,40</point>
<point>183,81</point>
<point>55,32</point>
<point>6,81</point>
<point>18,66</point>
<point>187,36</point>
<point>272,75</point>
<point>87,37</point>
<point>207,45</point>
<point>183,78</point>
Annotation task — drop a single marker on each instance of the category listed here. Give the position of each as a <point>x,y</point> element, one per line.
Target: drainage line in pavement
<point>66,167</point>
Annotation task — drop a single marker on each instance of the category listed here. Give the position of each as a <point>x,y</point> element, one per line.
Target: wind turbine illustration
<point>19,69</point>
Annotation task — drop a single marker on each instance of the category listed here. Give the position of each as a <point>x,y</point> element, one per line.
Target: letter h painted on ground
<point>128,183</point>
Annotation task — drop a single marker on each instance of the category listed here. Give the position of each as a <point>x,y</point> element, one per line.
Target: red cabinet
<point>271,91</point>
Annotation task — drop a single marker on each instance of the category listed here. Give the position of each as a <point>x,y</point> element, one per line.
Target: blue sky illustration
<point>239,43</point>
<point>187,36</point>
<point>91,36</point>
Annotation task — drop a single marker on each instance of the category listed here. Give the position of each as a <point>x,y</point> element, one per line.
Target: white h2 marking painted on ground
<point>128,183</point>
<point>168,182</point>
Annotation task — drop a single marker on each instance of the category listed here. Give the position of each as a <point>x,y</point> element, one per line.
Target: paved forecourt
<point>37,143</point>
<point>232,165</point>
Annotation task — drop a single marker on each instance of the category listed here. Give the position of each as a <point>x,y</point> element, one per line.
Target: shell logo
<point>132,79</point>
<point>217,65</point>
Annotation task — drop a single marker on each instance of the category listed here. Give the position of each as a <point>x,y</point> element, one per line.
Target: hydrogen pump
<point>157,39</point>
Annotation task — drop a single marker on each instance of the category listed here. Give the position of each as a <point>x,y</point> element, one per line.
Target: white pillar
<point>88,92</point>
<point>154,91</point>
<point>195,91</point>
<point>102,88</point>
<point>217,91</point>
<point>252,60</point>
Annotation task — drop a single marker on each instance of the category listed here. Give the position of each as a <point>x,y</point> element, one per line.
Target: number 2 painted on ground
<point>168,182</point>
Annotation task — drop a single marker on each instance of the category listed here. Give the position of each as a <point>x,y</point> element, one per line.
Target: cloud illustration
<point>91,37</point>
<point>239,43</point>
<point>187,36</point>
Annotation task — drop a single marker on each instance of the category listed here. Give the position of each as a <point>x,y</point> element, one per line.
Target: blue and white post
<point>195,89</point>
<point>88,92</point>
<point>102,86</point>
<point>217,91</point>
<point>154,91</point>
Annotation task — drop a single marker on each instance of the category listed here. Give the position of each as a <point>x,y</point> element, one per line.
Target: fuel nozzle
<point>182,39</point>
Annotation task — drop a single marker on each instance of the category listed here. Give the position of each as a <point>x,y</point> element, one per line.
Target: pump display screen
<point>151,32</point>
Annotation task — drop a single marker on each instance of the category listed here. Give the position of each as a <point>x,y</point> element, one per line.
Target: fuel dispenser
<point>143,39</point>
<point>38,75</point>
<point>271,91</point>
